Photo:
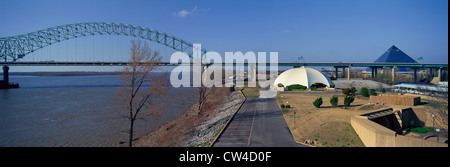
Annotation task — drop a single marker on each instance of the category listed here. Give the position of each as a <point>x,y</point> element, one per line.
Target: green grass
<point>297,87</point>
<point>420,129</point>
<point>251,91</point>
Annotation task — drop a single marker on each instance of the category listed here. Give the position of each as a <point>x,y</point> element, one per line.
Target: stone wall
<point>404,100</point>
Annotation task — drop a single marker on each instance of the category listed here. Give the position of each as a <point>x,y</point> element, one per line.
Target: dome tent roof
<point>302,76</point>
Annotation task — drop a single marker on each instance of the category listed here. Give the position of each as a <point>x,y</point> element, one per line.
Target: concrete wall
<point>375,135</point>
<point>405,100</point>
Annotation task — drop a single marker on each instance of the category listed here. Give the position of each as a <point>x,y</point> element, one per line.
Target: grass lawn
<point>251,91</point>
<point>420,129</point>
<point>328,126</point>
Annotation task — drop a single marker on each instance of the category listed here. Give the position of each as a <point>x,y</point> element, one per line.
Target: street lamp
<point>295,113</point>
<point>433,124</point>
<point>437,130</point>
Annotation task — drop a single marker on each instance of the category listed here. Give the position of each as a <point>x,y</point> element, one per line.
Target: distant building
<point>395,55</point>
<point>303,76</point>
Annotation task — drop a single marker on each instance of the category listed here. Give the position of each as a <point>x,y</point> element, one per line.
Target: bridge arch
<point>16,47</point>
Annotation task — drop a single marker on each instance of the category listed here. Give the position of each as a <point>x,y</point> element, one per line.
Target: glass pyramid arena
<point>395,55</point>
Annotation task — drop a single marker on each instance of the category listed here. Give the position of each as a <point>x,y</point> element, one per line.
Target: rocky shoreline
<point>194,129</point>
<point>208,130</point>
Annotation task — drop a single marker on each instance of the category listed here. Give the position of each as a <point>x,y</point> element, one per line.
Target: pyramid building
<point>395,55</point>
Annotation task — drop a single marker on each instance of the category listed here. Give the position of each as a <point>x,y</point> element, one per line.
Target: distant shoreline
<point>68,73</point>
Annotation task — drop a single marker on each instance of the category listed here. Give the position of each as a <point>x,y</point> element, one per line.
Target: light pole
<point>437,130</point>
<point>434,132</point>
<point>295,113</point>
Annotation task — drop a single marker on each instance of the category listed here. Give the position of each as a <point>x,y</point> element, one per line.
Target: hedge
<point>297,87</point>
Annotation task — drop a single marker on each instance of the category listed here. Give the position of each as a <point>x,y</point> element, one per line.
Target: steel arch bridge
<point>14,48</point>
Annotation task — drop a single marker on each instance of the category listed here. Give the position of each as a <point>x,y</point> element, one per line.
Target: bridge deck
<point>378,65</point>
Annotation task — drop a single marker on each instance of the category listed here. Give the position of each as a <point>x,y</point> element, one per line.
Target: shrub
<point>353,90</point>
<point>349,91</point>
<point>318,102</point>
<point>332,85</point>
<point>334,101</point>
<point>297,87</point>
<point>365,92</point>
<point>348,100</point>
<point>232,89</point>
<point>282,106</point>
<point>373,92</point>
<point>346,91</point>
<point>383,90</point>
<point>313,88</point>
<point>288,106</point>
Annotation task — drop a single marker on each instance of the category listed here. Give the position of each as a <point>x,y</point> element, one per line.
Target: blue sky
<point>318,30</point>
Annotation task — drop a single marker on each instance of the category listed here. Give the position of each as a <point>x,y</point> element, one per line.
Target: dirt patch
<point>328,126</point>
<point>369,107</point>
<point>358,83</point>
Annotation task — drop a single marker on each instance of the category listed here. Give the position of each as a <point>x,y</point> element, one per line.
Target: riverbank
<point>63,73</point>
<point>194,129</point>
<point>359,83</point>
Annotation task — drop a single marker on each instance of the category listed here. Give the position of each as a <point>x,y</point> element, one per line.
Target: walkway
<point>259,123</point>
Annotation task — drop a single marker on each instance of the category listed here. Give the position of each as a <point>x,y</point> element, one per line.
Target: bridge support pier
<point>373,71</point>
<point>431,73</point>
<point>376,72</point>
<point>415,74</point>
<point>5,75</point>
<point>336,72</point>
<point>348,73</point>
<point>393,74</point>
<point>4,84</point>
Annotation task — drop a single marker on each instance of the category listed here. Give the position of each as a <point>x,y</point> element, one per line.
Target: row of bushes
<point>334,101</point>
<point>297,87</point>
<point>285,106</point>
<point>303,87</point>
<point>364,91</point>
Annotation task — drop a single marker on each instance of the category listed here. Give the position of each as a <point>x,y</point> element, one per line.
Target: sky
<point>317,30</point>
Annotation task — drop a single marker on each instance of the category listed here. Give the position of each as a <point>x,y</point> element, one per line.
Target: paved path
<point>259,123</point>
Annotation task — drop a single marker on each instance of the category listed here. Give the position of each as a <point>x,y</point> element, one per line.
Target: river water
<point>75,111</point>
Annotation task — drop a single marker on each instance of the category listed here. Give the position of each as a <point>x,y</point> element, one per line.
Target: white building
<point>302,76</point>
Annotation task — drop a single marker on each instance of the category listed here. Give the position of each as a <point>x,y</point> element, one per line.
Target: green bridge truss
<point>16,47</point>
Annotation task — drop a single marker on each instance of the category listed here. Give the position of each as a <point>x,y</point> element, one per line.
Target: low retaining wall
<point>404,100</point>
<point>375,135</point>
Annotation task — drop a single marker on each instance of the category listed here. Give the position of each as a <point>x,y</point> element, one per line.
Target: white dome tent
<point>302,76</point>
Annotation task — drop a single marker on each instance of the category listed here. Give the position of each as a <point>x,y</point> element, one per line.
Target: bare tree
<point>203,93</point>
<point>438,106</point>
<point>142,87</point>
<point>202,90</point>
